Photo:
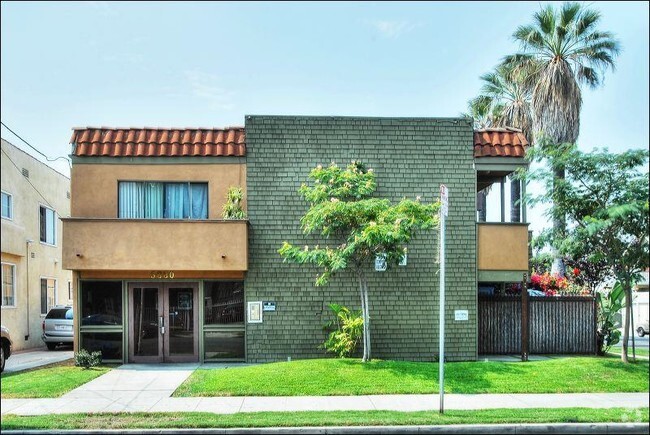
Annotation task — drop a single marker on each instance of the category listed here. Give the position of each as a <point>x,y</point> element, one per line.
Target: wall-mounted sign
<point>444,200</point>
<point>380,263</point>
<point>268,306</point>
<point>255,312</point>
<point>461,315</point>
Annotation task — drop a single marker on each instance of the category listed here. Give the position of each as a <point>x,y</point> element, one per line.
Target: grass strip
<point>53,380</point>
<point>338,418</point>
<point>335,377</point>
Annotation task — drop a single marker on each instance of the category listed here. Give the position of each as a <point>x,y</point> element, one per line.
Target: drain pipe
<point>27,243</point>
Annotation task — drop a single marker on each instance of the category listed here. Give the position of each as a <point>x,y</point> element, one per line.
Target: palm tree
<point>485,114</point>
<point>483,111</point>
<point>508,87</point>
<point>562,49</point>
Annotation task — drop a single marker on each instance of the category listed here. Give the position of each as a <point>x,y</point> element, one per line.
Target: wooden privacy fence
<point>555,324</point>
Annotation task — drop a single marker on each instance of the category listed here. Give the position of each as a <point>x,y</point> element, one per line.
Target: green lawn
<point>48,381</point>
<point>323,377</point>
<point>191,420</point>
<point>639,352</point>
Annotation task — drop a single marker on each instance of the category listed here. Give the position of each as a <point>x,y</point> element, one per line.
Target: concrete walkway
<point>29,359</point>
<point>147,388</point>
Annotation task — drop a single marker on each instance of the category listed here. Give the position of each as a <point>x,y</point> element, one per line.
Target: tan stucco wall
<point>502,247</point>
<point>46,260</point>
<point>155,245</point>
<point>94,186</point>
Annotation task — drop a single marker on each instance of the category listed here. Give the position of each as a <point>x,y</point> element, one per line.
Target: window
<point>102,303</point>
<point>224,302</point>
<point>8,285</point>
<point>156,200</point>
<point>7,206</point>
<point>48,294</point>
<point>48,225</point>
<point>70,290</point>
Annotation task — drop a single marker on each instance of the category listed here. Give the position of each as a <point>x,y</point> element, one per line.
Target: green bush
<point>347,333</point>
<point>233,208</point>
<point>87,360</point>
<point>608,307</point>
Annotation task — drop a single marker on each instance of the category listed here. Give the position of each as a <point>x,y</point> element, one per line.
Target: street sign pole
<point>444,211</point>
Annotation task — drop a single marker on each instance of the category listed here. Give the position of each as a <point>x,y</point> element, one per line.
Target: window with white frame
<point>48,225</point>
<point>8,285</point>
<point>48,294</point>
<point>7,205</point>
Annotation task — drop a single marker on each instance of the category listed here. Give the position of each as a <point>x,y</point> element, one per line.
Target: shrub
<point>346,336</point>
<point>87,360</point>
<point>233,208</point>
<point>609,305</point>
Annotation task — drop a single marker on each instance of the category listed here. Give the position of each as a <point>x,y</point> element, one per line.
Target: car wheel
<point>2,358</point>
<point>51,346</point>
<point>640,331</point>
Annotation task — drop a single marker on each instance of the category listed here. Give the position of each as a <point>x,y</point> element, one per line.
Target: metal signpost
<point>444,211</point>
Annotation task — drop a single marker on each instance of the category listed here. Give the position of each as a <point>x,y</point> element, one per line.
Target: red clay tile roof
<point>499,142</point>
<point>158,142</point>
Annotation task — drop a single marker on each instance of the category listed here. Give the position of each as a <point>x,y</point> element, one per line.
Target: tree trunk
<point>515,199</point>
<point>363,293</point>
<point>481,203</point>
<point>559,225</point>
<point>628,311</point>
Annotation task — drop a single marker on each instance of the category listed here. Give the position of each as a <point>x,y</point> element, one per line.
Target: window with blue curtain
<point>158,200</point>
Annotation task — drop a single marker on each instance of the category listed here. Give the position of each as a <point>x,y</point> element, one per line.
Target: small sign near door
<point>185,301</point>
<point>461,315</point>
<point>255,312</point>
<point>268,306</point>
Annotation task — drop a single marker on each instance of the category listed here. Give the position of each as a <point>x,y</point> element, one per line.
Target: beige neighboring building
<point>34,198</point>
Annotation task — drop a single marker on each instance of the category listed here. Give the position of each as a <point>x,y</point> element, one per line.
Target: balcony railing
<point>502,246</point>
<point>156,245</point>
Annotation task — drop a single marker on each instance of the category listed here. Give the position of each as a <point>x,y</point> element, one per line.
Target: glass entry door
<point>163,322</point>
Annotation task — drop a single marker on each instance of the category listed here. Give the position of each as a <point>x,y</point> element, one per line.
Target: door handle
<point>162,325</point>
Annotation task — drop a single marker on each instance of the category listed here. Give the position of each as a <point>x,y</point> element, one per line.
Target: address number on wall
<point>161,274</point>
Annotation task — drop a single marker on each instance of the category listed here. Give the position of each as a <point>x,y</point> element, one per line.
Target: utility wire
<point>32,147</point>
<point>29,181</point>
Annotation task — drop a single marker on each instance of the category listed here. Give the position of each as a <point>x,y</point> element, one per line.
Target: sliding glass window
<point>157,200</point>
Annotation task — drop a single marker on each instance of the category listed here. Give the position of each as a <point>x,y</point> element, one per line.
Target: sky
<point>208,64</point>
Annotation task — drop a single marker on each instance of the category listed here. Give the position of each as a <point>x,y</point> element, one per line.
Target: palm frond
<point>568,13</point>
<point>529,36</point>
<point>545,20</point>
<point>588,75</point>
<point>586,21</point>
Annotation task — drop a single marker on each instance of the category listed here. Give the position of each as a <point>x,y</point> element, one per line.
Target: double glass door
<point>163,322</point>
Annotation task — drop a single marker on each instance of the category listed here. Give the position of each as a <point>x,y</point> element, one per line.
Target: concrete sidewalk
<point>151,402</point>
<point>29,359</point>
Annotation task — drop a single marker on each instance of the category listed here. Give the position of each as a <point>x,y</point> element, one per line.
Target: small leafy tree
<point>234,206</point>
<point>347,331</point>
<point>605,199</point>
<point>360,227</point>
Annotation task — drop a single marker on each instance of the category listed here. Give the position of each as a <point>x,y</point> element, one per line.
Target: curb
<point>551,428</point>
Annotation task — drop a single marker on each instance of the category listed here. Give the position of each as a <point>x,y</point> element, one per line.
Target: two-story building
<point>160,276</point>
<point>34,197</point>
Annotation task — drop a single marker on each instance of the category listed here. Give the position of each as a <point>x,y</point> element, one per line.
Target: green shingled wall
<point>411,157</point>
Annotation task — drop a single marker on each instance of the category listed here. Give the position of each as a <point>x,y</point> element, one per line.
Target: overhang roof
<point>158,142</point>
<point>500,142</point>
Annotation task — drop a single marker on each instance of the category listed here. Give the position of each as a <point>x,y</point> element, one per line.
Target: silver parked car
<point>57,327</point>
<point>5,347</point>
